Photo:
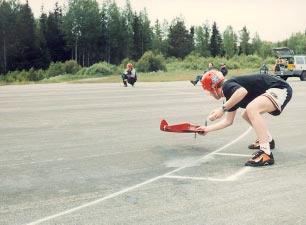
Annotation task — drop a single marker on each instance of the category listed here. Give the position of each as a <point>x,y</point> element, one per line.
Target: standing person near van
<point>129,75</point>
<point>277,66</point>
<point>256,94</point>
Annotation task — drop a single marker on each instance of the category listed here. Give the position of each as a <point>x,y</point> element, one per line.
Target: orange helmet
<point>211,80</point>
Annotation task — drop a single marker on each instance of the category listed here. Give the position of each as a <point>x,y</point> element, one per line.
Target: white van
<point>292,65</point>
<point>300,62</point>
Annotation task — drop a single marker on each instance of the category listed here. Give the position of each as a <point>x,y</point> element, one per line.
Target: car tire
<point>303,76</point>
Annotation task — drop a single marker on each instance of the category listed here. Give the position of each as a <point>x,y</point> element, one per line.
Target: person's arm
<point>238,95</point>
<point>227,121</point>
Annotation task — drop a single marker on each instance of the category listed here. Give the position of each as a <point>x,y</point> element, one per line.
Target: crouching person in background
<point>129,75</point>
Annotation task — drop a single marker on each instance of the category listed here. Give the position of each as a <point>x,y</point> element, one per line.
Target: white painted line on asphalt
<point>212,153</point>
<point>132,187</point>
<point>238,174</point>
<point>195,178</point>
<point>229,178</point>
<point>94,202</point>
<point>232,154</point>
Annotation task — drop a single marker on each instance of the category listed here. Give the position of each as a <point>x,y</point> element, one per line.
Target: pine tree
<point>190,39</point>
<point>244,47</point>
<point>54,36</point>
<point>27,42</point>
<point>104,41</point>
<point>82,25</point>
<point>215,41</point>
<point>230,42</point>
<point>116,34</point>
<point>165,40</point>
<point>206,43</point>
<point>179,39</point>
<point>42,32</point>
<point>146,32</point>
<point>157,38</point>
<point>6,35</point>
<point>128,18</point>
<point>137,38</point>
<point>256,45</point>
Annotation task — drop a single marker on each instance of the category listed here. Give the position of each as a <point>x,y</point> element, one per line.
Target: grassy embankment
<point>102,72</point>
<point>153,76</point>
<point>142,77</point>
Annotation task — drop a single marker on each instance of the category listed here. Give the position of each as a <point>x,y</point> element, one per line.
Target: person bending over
<point>256,94</point>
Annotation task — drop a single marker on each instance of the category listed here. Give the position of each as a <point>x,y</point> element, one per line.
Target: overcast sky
<point>272,20</point>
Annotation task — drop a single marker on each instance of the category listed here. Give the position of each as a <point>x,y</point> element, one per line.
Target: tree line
<point>88,33</point>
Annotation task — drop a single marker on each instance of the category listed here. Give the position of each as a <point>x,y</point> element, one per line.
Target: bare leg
<point>254,110</point>
<point>245,117</point>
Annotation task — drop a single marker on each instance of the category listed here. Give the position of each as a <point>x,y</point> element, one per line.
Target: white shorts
<point>279,97</point>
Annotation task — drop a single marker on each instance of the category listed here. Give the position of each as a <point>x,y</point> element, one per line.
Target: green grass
<point>179,75</point>
<point>158,76</point>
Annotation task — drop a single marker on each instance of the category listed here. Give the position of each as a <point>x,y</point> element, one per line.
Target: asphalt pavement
<point>91,154</point>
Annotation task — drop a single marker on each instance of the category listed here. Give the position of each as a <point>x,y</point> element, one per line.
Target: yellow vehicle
<point>288,64</point>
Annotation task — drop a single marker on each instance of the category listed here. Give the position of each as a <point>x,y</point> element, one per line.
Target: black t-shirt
<point>256,85</point>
